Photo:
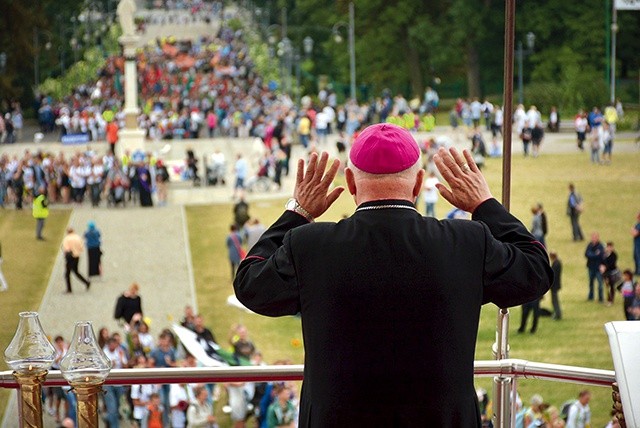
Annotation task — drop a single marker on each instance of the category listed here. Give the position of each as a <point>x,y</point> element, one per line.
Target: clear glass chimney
<point>30,349</point>
<point>85,363</point>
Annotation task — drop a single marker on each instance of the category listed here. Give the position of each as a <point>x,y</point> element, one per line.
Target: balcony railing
<point>510,368</point>
<point>506,369</point>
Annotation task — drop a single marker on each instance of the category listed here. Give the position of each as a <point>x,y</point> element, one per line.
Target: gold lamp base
<point>87,395</point>
<point>30,402</point>
<point>617,405</point>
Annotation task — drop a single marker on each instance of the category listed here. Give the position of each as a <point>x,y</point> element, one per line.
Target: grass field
<point>611,198</point>
<point>27,266</point>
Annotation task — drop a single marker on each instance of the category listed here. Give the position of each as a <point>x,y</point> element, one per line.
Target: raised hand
<point>468,188</point>
<point>312,186</point>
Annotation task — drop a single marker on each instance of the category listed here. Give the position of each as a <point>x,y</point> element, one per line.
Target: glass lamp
<point>85,362</point>
<point>30,349</point>
<point>30,355</point>
<point>85,367</point>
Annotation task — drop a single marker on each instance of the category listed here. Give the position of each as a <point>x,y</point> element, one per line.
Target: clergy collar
<point>386,204</point>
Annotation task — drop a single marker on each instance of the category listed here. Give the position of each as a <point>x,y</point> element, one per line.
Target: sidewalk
<point>136,242</point>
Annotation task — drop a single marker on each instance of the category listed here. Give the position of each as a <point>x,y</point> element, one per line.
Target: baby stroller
<point>216,171</point>
<point>262,182</point>
<point>478,149</point>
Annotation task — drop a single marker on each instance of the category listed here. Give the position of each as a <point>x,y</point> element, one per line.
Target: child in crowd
<point>627,288</point>
<point>154,412</point>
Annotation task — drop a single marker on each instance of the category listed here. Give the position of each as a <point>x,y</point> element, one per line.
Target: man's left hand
<point>312,185</point>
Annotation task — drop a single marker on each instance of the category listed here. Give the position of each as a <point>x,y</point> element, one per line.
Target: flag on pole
<point>208,353</point>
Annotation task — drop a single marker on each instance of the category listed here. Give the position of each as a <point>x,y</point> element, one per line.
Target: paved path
<point>143,245</point>
<point>148,246</point>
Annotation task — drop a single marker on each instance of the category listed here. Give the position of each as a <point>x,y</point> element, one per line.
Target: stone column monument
<point>130,137</point>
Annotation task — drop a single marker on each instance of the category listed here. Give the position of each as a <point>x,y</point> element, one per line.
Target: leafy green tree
<point>21,22</point>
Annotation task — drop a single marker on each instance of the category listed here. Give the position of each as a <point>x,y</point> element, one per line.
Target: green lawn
<point>27,266</point>
<point>610,194</point>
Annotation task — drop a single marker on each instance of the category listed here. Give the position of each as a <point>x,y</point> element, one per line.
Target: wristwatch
<point>293,205</point>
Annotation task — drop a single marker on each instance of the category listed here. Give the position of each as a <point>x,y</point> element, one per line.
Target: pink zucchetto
<point>384,149</point>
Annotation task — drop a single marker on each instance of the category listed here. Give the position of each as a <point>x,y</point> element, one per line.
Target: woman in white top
<point>200,412</point>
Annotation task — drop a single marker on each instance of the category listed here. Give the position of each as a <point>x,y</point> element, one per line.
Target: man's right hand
<point>312,185</point>
<point>468,187</point>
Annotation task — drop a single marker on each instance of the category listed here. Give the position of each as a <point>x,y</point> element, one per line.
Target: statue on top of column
<point>126,9</point>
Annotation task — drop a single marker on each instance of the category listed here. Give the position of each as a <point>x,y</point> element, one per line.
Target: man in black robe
<point>390,300</point>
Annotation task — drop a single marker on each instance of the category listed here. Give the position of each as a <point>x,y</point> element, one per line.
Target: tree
<point>20,21</point>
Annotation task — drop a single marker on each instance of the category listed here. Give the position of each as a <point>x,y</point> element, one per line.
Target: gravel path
<point>148,246</point>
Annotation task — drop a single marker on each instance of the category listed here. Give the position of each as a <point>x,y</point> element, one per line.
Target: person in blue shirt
<point>595,256</point>
<point>574,209</point>
<point>595,118</point>
<point>164,356</point>
<point>92,242</point>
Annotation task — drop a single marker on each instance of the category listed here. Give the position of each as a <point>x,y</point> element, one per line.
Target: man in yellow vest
<point>40,211</point>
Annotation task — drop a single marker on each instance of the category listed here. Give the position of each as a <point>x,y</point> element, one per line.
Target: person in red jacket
<point>112,135</point>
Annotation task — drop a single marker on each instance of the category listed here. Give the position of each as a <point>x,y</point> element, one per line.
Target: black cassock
<point>390,304</point>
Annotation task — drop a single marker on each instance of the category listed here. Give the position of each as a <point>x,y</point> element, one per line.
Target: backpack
<point>564,409</point>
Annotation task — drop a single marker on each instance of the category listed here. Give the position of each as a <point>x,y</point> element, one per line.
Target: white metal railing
<point>508,368</point>
<point>504,371</point>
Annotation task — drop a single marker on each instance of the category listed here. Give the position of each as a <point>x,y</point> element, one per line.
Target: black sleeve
<point>516,268</point>
<point>119,308</point>
<point>266,279</point>
<point>139,305</point>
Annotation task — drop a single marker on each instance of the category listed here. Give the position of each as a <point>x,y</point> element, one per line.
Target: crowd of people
<point>602,266</point>
<point>600,129</point>
<point>193,6</point>
<point>210,87</point>
<point>85,175</point>
<point>269,405</point>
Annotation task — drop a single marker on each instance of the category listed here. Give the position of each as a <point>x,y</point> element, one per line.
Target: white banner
<point>627,4</point>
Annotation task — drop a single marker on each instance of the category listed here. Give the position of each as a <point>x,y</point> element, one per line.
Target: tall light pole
<point>307,47</point>
<point>285,52</point>
<point>3,62</point>
<point>284,23</point>
<point>74,40</point>
<point>36,53</point>
<point>352,48</point>
<point>531,41</point>
<point>614,32</point>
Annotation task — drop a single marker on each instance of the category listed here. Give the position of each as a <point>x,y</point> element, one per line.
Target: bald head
<point>404,185</point>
